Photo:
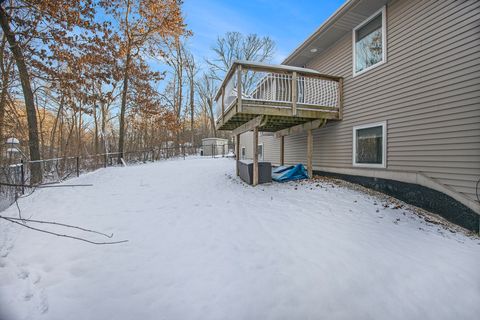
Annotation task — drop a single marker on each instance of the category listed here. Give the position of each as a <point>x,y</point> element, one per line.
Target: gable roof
<point>341,22</point>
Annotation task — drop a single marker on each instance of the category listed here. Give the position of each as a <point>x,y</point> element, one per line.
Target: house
<point>385,93</point>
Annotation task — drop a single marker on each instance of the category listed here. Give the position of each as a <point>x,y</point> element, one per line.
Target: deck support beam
<point>282,150</point>
<point>301,128</point>
<point>255,156</point>
<point>237,153</point>
<point>309,153</point>
<point>250,125</point>
<point>340,99</point>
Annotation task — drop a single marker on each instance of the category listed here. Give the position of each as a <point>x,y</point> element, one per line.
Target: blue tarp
<point>289,173</point>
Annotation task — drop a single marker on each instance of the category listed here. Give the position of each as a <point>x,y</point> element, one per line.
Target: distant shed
<point>214,146</point>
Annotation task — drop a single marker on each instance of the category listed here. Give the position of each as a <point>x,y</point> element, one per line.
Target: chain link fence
<point>218,150</point>
<point>15,178</point>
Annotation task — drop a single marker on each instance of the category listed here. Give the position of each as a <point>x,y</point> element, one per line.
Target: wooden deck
<point>278,115</point>
<point>275,98</point>
<point>285,96</point>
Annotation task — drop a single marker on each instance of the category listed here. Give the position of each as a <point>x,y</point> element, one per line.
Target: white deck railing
<point>299,87</point>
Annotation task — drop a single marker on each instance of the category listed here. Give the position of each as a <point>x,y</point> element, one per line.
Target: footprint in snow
<point>43,306</point>
<point>33,294</point>
<point>5,251</point>
<point>23,274</point>
<point>28,296</point>
<point>36,278</point>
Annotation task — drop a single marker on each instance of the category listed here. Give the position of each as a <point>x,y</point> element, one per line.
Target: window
<point>369,43</point>
<point>369,145</point>
<point>260,151</point>
<point>243,153</point>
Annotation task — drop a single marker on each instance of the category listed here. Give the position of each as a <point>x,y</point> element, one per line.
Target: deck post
<point>282,150</point>
<point>237,152</point>
<point>294,93</point>
<point>255,156</point>
<point>239,88</point>
<point>340,99</point>
<point>309,153</point>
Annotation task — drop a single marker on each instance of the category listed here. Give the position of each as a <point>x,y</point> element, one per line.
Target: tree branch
<point>15,220</point>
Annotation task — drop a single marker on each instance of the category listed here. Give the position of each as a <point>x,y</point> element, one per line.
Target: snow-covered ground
<point>202,245</point>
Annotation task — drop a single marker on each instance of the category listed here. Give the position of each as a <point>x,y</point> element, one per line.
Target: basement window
<point>370,145</point>
<point>369,43</point>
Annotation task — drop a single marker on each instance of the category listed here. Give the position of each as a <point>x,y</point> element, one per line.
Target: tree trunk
<point>192,108</point>
<point>41,119</point>
<point>180,89</point>
<point>121,135</point>
<point>212,118</point>
<point>3,102</point>
<point>3,94</point>
<point>34,148</point>
<point>54,128</point>
<point>69,135</point>
<point>103,126</point>
<point>79,132</point>
<point>61,136</point>
<point>95,138</point>
<point>95,122</point>
<point>126,75</point>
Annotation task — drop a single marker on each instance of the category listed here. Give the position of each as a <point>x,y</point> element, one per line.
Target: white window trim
<point>263,152</point>
<point>383,124</point>
<point>383,11</point>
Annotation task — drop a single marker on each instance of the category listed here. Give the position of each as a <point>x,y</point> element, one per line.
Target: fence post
<point>105,160</point>
<point>183,147</point>
<point>22,176</point>
<point>78,166</point>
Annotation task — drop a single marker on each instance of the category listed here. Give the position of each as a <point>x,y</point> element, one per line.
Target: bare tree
<point>173,95</point>
<point>229,48</point>
<point>236,46</point>
<point>192,70</point>
<point>207,88</point>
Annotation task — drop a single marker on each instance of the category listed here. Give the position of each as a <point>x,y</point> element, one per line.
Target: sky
<point>287,22</point>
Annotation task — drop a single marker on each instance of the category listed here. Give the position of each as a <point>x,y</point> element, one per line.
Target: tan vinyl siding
<point>428,91</point>
<point>246,141</point>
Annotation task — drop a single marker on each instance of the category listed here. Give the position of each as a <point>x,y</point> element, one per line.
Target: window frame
<point>383,12</point>
<point>382,124</point>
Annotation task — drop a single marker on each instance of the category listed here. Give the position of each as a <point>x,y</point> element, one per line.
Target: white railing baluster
<point>302,90</point>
